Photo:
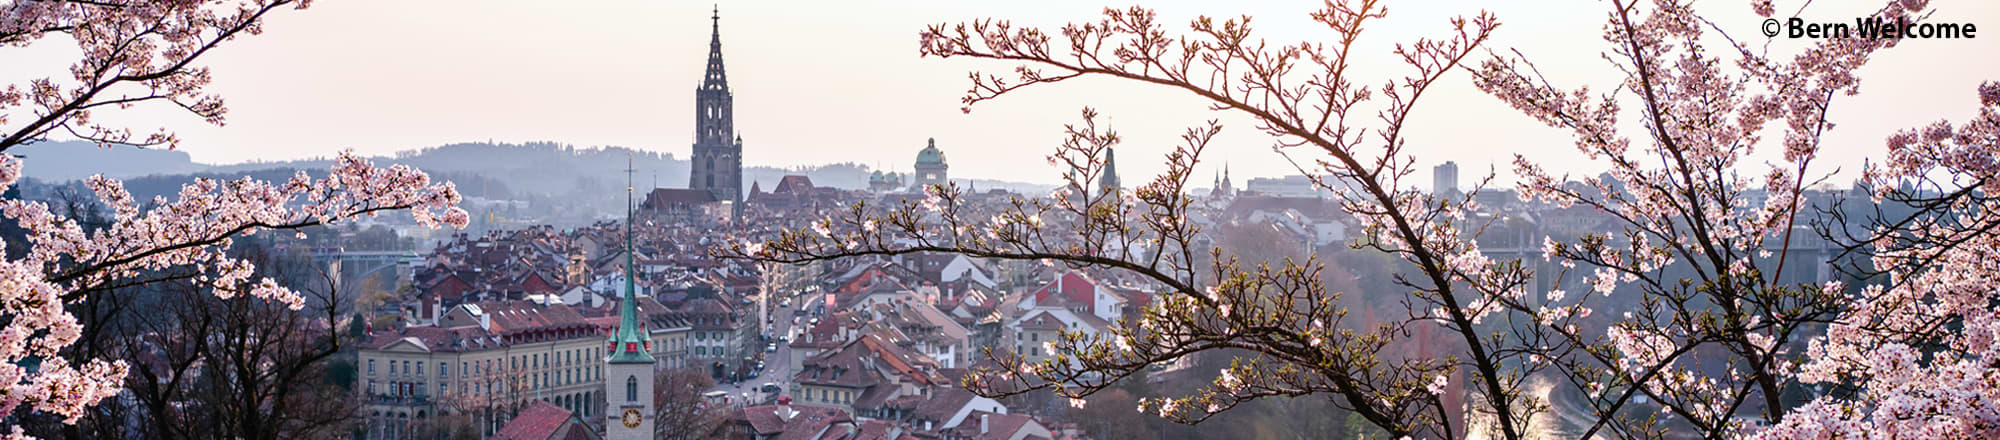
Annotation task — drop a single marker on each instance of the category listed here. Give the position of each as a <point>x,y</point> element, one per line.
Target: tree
<point>1280,312</point>
<point>1711,328</point>
<point>1678,197</point>
<point>1915,356</point>
<point>133,53</point>
<point>680,410</point>
<point>240,367</point>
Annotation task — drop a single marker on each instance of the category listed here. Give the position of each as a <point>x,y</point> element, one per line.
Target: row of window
<point>830,396</point>
<point>534,360</point>
<point>536,381</point>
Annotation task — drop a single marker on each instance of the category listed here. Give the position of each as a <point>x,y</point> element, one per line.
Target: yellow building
<point>490,360</point>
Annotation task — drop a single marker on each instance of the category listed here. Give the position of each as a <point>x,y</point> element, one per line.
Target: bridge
<point>363,263</point>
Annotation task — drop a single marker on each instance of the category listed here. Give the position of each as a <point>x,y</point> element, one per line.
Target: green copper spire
<point>631,344</point>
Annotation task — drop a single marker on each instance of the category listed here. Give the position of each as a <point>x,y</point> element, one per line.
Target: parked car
<point>771,348</point>
<point>769,387</point>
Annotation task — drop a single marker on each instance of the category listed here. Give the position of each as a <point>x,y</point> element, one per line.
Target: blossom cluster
<point>192,232</point>
<point>1680,188</point>
<point>1914,378</point>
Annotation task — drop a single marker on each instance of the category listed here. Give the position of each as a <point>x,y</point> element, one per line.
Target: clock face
<point>631,418</point>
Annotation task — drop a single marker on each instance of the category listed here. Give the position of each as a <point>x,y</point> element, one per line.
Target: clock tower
<point>628,371</point>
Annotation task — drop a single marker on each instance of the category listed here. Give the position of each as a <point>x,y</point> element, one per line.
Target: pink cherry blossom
<point>189,232</point>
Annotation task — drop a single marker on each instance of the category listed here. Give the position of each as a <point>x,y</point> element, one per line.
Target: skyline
<point>410,225</point>
<point>444,72</point>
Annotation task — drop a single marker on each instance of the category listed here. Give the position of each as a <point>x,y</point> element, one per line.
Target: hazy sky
<point>821,81</point>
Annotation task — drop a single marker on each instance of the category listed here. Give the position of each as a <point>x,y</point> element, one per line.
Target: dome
<point>875,177</point>
<point>930,154</point>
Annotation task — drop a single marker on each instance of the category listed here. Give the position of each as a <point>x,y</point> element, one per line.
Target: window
<point>441,389</point>
<point>631,388</point>
<point>371,369</point>
<point>371,385</point>
<point>444,370</point>
<point>420,369</point>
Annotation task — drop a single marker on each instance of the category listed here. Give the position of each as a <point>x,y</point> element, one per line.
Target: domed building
<point>881,182</point>
<point>930,167</point>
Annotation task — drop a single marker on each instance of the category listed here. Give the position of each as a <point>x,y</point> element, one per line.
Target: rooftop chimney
<point>784,410</point>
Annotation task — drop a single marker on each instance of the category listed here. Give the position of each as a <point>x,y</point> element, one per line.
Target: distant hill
<point>562,183</point>
<point>60,161</point>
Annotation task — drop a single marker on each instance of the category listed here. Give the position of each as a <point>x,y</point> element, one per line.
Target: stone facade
<point>717,164</point>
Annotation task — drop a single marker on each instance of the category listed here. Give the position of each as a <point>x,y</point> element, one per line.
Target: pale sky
<point>819,81</point>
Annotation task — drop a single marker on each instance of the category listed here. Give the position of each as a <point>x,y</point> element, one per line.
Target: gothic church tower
<point>717,165</point>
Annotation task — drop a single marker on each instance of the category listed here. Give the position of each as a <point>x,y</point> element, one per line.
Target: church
<point>717,163</point>
<point>717,168</point>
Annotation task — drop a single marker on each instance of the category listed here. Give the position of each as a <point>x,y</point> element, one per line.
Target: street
<point>777,369</point>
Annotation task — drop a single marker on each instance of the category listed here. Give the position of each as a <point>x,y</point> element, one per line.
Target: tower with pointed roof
<point>1108,183</point>
<point>717,164</point>
<point>1222,188</point>
<point>628,366</point>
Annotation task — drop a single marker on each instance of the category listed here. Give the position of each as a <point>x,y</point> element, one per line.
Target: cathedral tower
<point>1108,183</point>
<point>717,164</point>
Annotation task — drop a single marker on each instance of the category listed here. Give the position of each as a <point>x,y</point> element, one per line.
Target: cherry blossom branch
<point>1220,64</point>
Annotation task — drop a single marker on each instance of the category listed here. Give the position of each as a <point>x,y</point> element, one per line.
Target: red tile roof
<point>790,421</point>
<point>543,421</point>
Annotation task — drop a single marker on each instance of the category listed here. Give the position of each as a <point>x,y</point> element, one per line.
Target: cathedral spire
<point>1108,184</point>
<point>715,77</point>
